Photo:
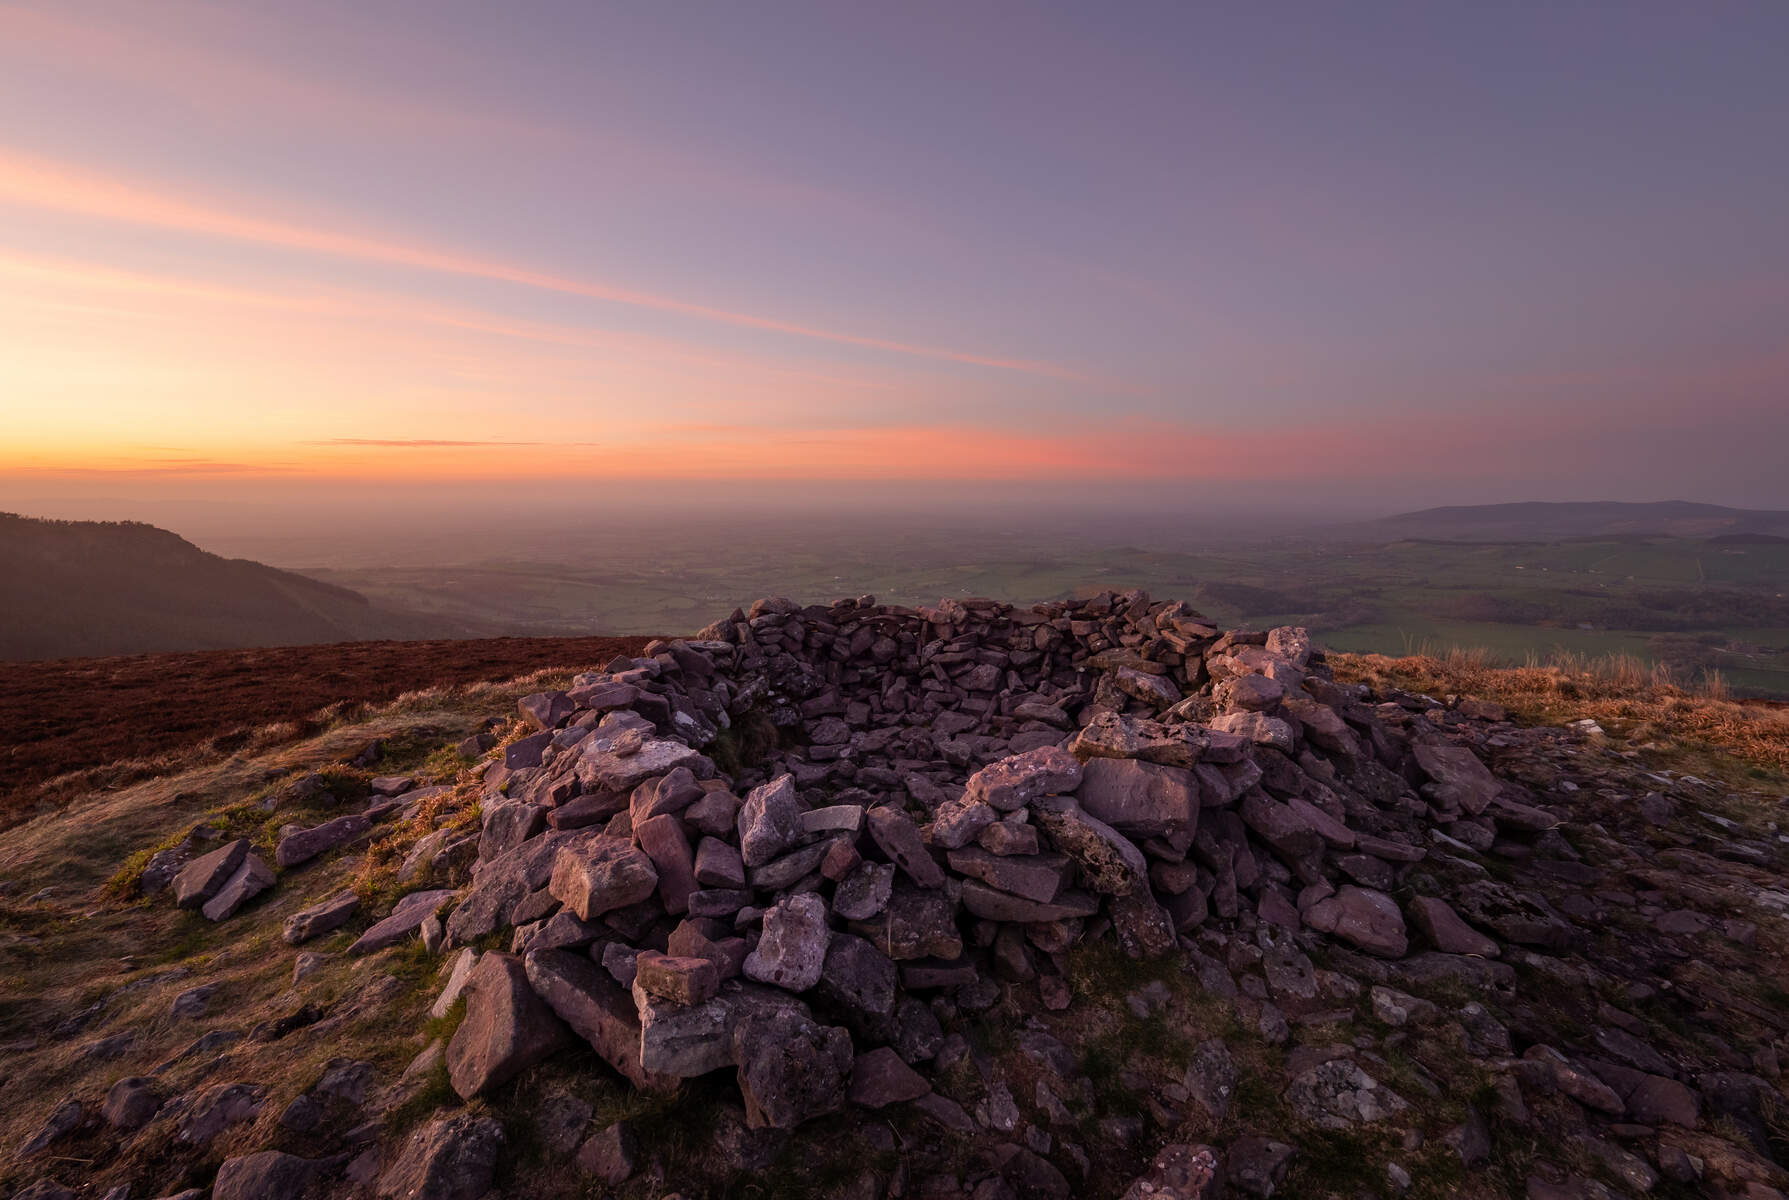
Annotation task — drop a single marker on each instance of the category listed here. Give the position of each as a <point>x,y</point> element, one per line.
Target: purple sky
<point>1372,256</point>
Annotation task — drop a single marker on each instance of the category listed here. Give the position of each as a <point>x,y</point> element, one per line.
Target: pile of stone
<point>952,798</point>
<point>219,882</point>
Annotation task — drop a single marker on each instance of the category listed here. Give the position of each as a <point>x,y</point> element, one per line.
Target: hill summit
<point>86,588</point>
<point>967,900</point>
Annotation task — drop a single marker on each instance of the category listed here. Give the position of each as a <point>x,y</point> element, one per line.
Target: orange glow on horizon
<point>916,453</point>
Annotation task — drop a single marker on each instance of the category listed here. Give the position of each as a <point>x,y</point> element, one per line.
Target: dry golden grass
<point>82,942</point>
<point>1638,702</point>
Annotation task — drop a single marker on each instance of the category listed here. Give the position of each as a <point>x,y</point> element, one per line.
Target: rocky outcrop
<point>946,812</point>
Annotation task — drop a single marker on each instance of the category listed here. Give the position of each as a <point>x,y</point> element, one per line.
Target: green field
<point>1696,605</point>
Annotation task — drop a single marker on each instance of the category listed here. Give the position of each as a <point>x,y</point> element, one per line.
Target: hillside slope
<point>1379,944</point>
<point>141,712</point>
<point>76,588</point>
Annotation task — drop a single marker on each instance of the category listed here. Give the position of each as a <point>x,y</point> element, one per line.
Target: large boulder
<point>791,1068</point>
<point>201,878</point>
<point>769,821</point>
<point>508,1028</point>
<point>1016,781</point>
<point>597,1009</point>
<point>1457,779</point>
<point>1140,798</point>
<point>1367,918</point>
<point>450,1158</point>
<point>268,1175</point>
<point>1110,863</point>
<point>603,874</point>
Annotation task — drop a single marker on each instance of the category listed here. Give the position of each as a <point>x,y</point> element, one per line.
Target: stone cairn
<point>953,798</point>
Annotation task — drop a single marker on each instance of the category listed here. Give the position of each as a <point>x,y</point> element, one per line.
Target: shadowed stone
<point>769,821</point>
<point>450,1158</point>
<point>267,1175</point>
<point>1438,922</point>
<point>306,844</point>
<point>1110,863</point>
<point>596,1008</point>
<point>508,1028</point>
<point>1016,781</point>
<point>320,918</point>
<point>252,878</point>
<point>879,1078</point>
<point>1367,918</point>
<point>405,919</point>
<point>791,1068</point>
<point>201,878</point>
<point>1457,779</point>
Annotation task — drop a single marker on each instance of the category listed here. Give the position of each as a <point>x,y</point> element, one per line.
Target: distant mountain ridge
<point>1545,521</point>
<point>80,588</point>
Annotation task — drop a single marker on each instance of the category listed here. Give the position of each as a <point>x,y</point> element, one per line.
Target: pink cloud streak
<point>57,187</point>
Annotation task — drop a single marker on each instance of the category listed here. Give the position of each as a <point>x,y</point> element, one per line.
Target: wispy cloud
<point>361,305</point>
<point>153,467</point>
<point>58,187</point>
<point>425,443</point>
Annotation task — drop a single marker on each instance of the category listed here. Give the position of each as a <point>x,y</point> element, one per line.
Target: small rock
<point>610,1154</point>
<point>320,918</point>
<point>792,951</point>
<point>130,1103</point>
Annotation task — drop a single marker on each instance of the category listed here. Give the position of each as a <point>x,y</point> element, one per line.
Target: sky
<point>260,259</point>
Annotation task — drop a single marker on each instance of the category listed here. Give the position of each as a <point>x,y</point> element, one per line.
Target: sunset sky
<point>1370,255</point>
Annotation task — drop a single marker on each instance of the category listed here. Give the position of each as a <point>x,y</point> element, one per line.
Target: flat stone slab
<point>307,844</point>
<point>405,919</point>
<point>251,878</point>
<point>201,878</point>
<point>320,918</point>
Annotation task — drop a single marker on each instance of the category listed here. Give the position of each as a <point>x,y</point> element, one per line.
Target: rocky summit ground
<point>1086,899</point>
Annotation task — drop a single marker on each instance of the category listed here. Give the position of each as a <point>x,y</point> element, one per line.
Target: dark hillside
<point>86,712</point>
<point>71,588</point>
